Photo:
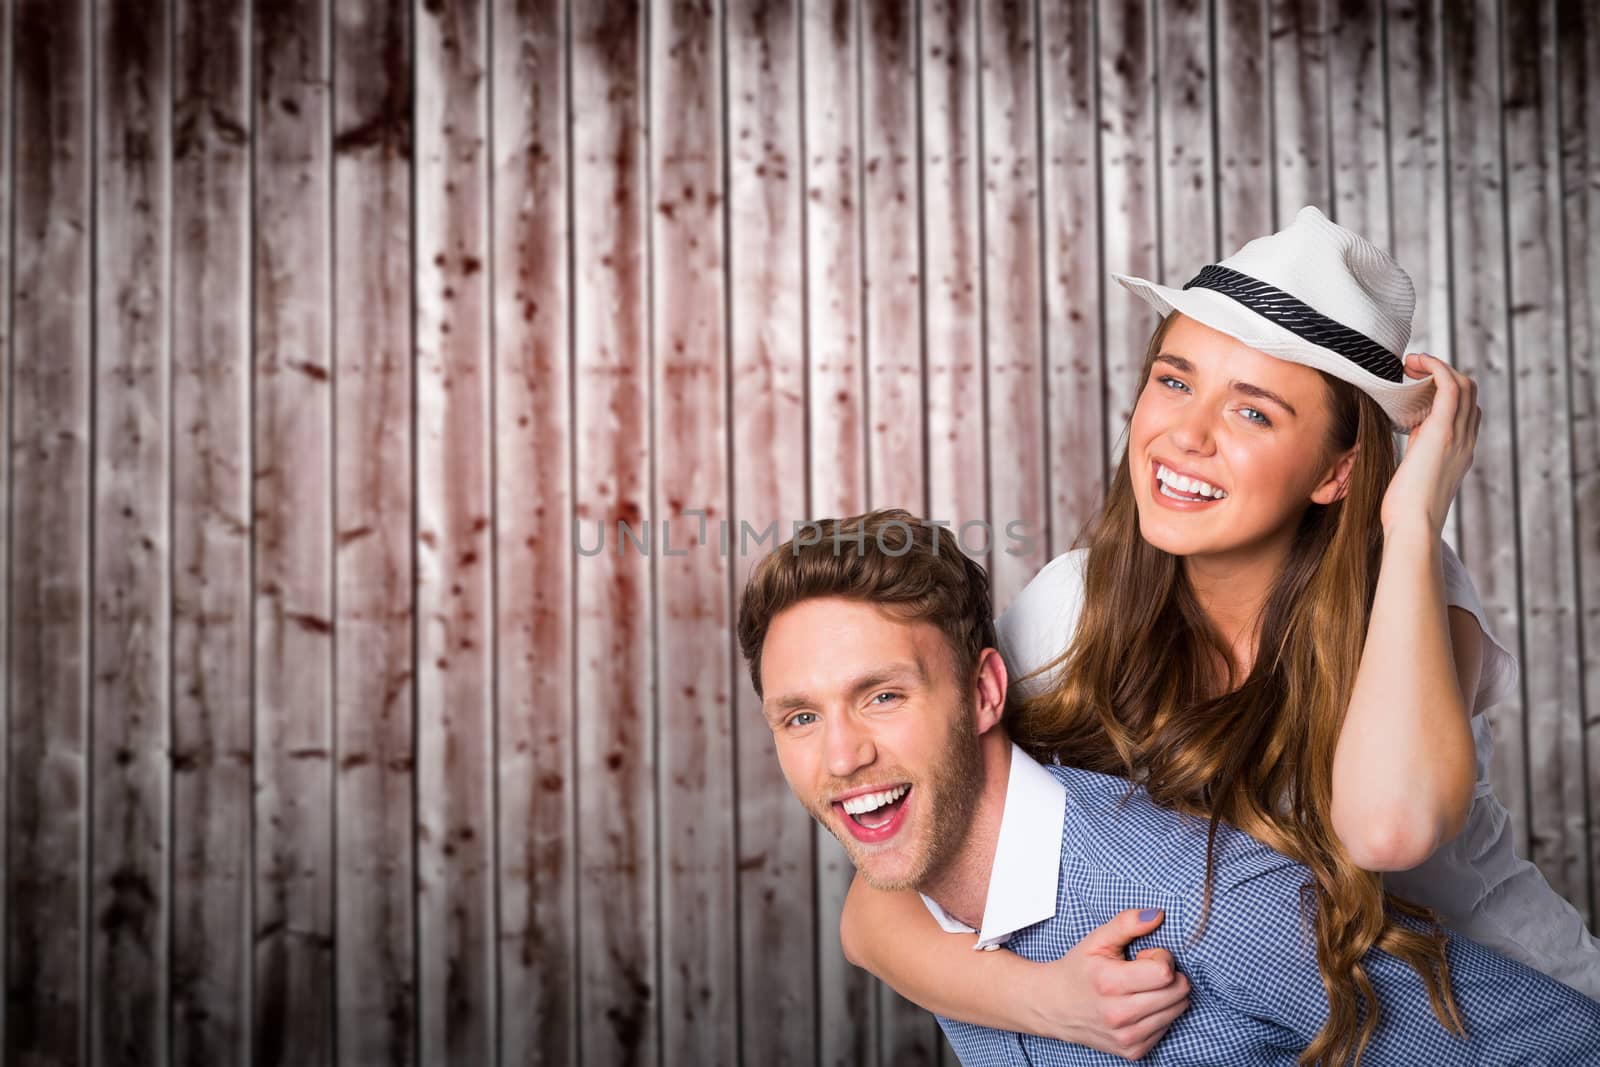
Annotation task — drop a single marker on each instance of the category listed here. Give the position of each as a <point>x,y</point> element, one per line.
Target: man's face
<point>875,734</point>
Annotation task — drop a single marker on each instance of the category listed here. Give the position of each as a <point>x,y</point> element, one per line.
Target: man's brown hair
<point>913,568</point>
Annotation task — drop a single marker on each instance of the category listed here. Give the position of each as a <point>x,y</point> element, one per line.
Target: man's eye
<point>802,718</point>
<point>891,695</point>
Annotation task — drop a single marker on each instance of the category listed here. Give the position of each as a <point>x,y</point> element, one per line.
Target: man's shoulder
<point>1115,826</point>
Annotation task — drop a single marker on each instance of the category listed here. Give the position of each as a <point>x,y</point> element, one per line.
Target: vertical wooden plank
<point>1577,62</point>
<point>952,261</point>
<point>1013,297</point>
<point>373,697</point>
<point>1184,121</point>
<point>837,416</point>
<point>1480,348</point>
<point>211,536</point>
<point>892,318</point>
<point>1074,411</point>
<point>1244,124</point>
<point>1552,684</point>
<point>1357,119</point>
<point>834,268</point>
<point>533,502</point>
<point>1128,225</point>
<point>129,690</point>
<point>1300,108</point>
<point>699,991</point>
<point>619,999</point>
<point>7,97</point>
<point>294,987</point>
<point>455,541</point>
<point>776,892</point>
<point>891,257</point>
<point>1420,232</point>
<point>50,511</point>
<point>1419,224</point>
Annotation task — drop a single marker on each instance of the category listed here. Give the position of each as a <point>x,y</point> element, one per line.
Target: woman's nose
<point>1192,428</point>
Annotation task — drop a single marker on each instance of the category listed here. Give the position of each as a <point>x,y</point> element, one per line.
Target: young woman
<point>1265,628</point>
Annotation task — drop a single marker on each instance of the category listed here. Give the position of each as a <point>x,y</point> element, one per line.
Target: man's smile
<point>874,813</point>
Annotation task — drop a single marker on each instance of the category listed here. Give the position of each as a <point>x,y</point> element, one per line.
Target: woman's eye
<point>1260,420</point>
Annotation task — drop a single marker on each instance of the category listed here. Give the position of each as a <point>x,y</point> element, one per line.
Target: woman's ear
<point>1333,486</point>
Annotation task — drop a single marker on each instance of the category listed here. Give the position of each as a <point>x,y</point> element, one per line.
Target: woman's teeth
<point>1175,484</point>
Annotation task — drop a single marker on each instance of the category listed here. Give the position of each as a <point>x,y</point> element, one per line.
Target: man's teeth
<point>1183,484</point>
<point>873,801</point>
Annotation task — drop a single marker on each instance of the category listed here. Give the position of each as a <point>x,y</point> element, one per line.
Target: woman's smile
<point>1182,492</point>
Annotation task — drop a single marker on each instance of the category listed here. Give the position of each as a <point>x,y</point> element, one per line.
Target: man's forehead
<point>827,649</point>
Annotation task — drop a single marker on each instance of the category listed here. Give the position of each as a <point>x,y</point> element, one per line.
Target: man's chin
<point>886,868</point>
<point>888,881</point>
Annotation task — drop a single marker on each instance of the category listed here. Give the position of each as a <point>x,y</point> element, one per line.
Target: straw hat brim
<point>1406,403</point>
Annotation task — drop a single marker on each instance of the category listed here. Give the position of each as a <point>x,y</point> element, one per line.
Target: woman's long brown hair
<point>1138,696</point>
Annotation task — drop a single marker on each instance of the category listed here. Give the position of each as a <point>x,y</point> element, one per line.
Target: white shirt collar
<point>1027,858</point>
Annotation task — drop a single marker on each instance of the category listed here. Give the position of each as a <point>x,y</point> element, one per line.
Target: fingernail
<point>1149,914</point>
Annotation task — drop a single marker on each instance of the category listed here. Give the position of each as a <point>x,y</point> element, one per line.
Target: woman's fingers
<point>1155,954</point>
<point>1138,975</point>
<point>1455,393</point>
<point>1143,1005</point>
<point>1145,1034</point>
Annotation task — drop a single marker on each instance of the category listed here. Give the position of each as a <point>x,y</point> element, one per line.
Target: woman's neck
<point>1233,590</point>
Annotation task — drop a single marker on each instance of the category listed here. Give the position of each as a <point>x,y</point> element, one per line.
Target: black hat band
<point>1300,319</point>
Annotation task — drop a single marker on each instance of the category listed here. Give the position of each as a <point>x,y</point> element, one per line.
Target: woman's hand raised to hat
<point>1439,450</point>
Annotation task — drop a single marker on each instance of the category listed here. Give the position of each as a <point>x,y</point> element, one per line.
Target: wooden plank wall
<point>342,724</point>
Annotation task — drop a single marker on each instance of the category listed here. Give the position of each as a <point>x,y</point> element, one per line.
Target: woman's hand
<point>1095,996</point>
<point>1439,450</point>
<point>1092,996</point>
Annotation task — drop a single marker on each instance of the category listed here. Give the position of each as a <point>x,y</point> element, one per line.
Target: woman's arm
<point>1092,996</point>
<point>1403,769</point>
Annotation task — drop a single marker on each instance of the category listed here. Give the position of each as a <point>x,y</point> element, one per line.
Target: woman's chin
<point>1159,534</point>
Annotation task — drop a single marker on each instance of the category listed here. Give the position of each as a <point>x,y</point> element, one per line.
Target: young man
<point>872,647</point>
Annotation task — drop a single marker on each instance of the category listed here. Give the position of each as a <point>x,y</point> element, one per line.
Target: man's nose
<point>848,746</point>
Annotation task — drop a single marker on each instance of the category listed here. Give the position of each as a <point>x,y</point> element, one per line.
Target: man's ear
<point>989,690</point>
<point>1333,487</point>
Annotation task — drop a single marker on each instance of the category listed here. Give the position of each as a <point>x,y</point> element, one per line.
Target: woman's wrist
<point>1413,529</point>
<point>1041,1004</point>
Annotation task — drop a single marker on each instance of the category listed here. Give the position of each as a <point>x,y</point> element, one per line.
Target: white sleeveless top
<point>1481,887</point>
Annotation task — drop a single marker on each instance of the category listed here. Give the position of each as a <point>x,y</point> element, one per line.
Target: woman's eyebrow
<point>1181,364</point>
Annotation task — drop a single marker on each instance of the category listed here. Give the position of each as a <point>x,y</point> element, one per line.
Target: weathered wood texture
<point>778,929</point>
<point>50,510</point>
<point>130,689</point>
<point>535,710</point>
<point>375,743</point>
<point>457,931</point>
<point>292,528</point>
<point>212,749</point>
<point>343,722</point>
<point>619,975</point>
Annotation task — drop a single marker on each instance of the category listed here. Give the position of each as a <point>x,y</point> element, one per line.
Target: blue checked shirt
<point>1257,996</point>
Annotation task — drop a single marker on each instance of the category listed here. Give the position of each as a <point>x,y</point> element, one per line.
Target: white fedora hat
<point>1312,293</point>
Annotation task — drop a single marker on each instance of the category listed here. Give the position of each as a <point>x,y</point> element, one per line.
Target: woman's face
<point>1249,425</point>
